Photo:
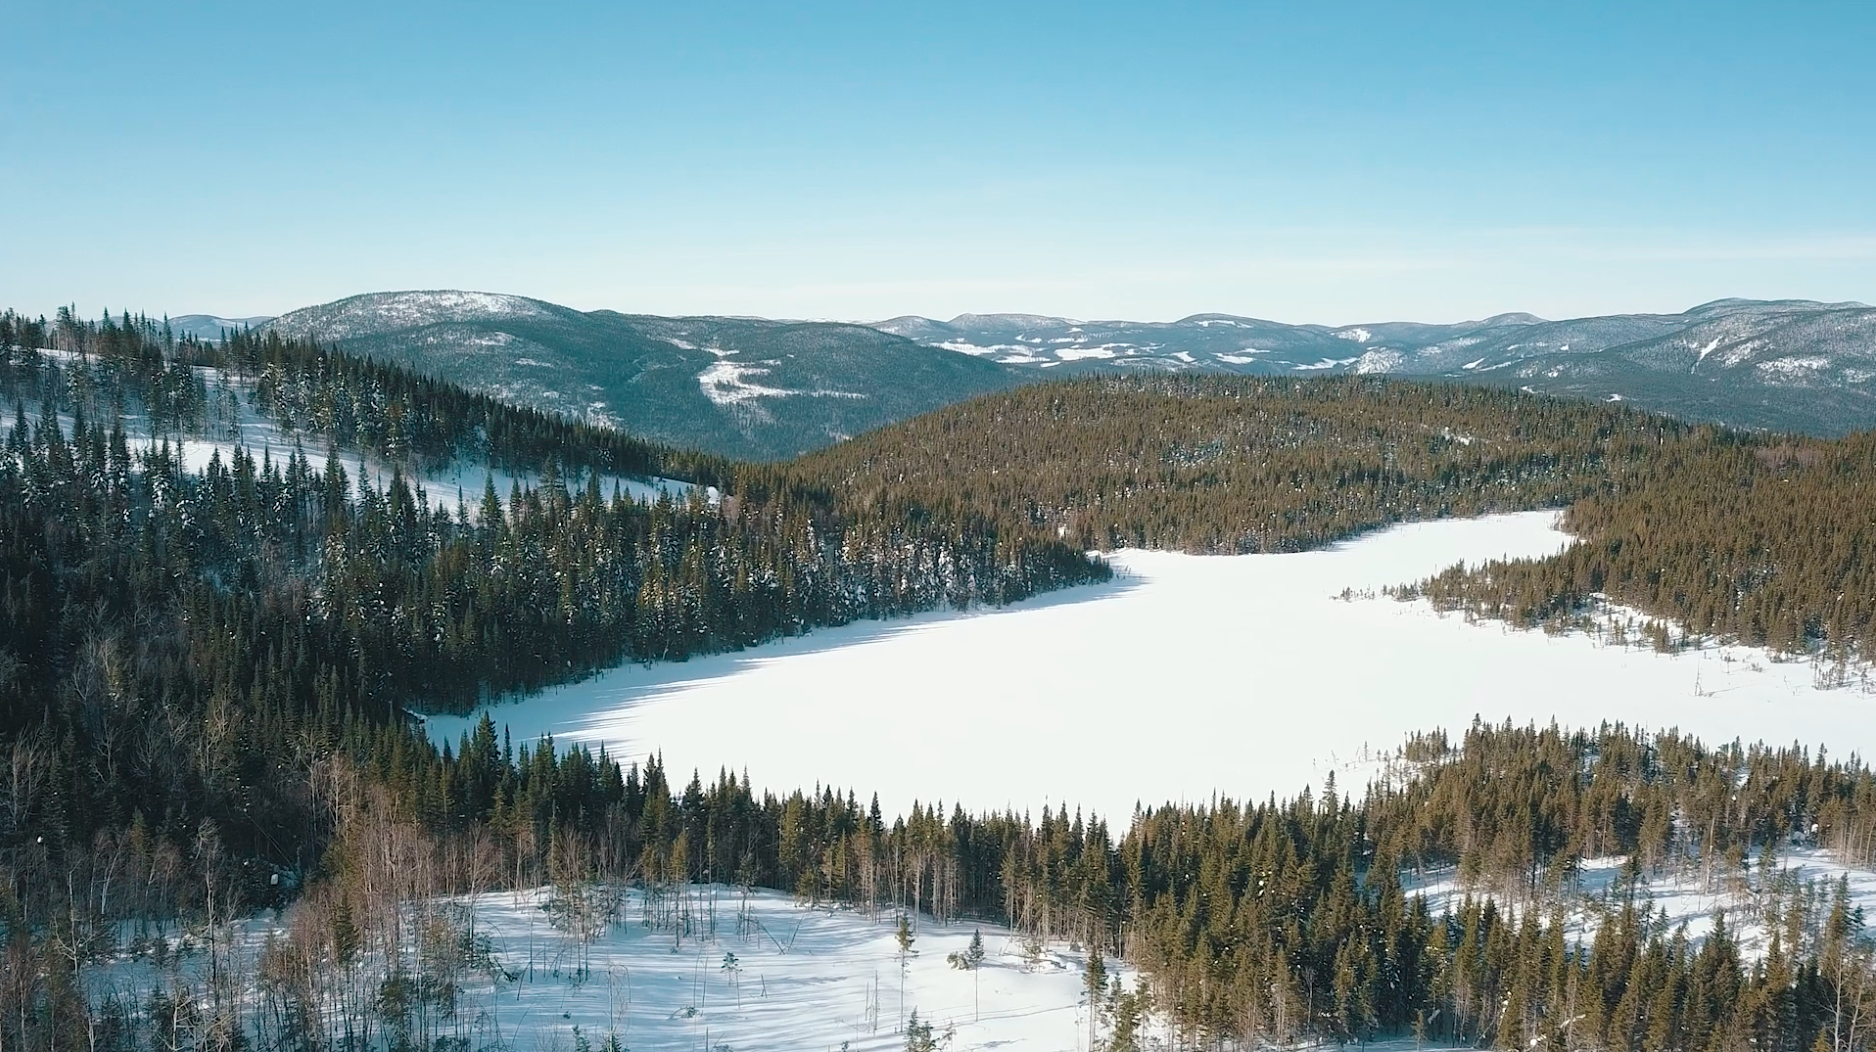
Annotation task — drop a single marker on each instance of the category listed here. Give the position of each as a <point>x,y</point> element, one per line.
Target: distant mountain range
<point>209,327</point>
<point>1787,365</point>
<point>763,389</point>
<point>742,387</point>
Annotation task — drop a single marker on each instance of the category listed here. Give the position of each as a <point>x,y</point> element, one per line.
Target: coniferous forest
<point>209,684</point>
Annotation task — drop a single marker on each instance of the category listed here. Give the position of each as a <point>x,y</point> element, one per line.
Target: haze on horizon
<point>856,161</point>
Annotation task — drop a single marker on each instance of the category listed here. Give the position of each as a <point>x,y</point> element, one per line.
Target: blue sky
<point>1333,162</point>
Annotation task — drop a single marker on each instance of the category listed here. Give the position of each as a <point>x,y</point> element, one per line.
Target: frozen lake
<point>1186,677</point>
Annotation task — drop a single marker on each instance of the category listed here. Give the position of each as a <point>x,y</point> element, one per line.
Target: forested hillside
<point>1245,464</point>
<point>1767,541</point>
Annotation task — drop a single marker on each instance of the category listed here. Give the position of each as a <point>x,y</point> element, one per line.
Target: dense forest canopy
<point>1767,540</point>
<point>1245,464</point>
<point>206,680</point>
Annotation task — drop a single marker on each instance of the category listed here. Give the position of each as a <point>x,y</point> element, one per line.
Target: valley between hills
<point>358,694</point>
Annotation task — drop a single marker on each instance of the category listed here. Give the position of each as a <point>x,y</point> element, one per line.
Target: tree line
<point>1226,465</point>
<point>1280,922</point>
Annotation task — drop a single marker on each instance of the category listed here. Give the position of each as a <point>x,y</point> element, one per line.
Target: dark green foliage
<point>1241,464</point>
<point>1763,540</point>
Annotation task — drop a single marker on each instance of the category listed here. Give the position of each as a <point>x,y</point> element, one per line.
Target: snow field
<point>801,979</point>
<point>1184,678</point>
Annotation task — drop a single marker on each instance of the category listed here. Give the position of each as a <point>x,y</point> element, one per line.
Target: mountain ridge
<point>739,387</point>
<point>772,388</point>
<point>1798,365</point>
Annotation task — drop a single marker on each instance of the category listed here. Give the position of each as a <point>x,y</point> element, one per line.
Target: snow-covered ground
<point>799,979</point>
<point>1682,898</point>
<point>1185,677</point>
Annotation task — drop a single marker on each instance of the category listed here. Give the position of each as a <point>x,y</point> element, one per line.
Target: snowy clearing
<point>1185,677</point>
<point>765,974</point>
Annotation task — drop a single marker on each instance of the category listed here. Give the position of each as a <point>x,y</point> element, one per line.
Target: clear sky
<point>1331,162</point>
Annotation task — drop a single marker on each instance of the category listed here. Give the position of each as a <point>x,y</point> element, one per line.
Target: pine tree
<point>904,938</point>
<point>1094,986</point>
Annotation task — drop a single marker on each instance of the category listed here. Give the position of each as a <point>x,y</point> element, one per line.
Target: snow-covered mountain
<point>1786,364</point>
<point>744,387</point>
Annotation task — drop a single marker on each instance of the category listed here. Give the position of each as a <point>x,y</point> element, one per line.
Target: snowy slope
<point>1186,676</point>
<point>263,438</point>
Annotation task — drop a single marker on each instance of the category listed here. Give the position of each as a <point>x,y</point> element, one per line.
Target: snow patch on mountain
<point>963,347</point>
<point>725,383</point>
<point>1075,354</point>
<point>1787,368</point>
<point>1379,360</point>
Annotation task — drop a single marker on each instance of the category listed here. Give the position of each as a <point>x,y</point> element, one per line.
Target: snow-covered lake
<point>1186,677</point>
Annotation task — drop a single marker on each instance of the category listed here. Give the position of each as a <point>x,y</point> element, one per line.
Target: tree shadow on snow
<point>596,708</point>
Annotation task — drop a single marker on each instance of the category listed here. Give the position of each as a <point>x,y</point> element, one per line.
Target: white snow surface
<point>1794,366</point>
<point>1379,360</point>
<point>803,979</point>
<point>1106,350</point>
<point>1683,898</point>
<point>727,383</point>
<point>1185,677</point>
